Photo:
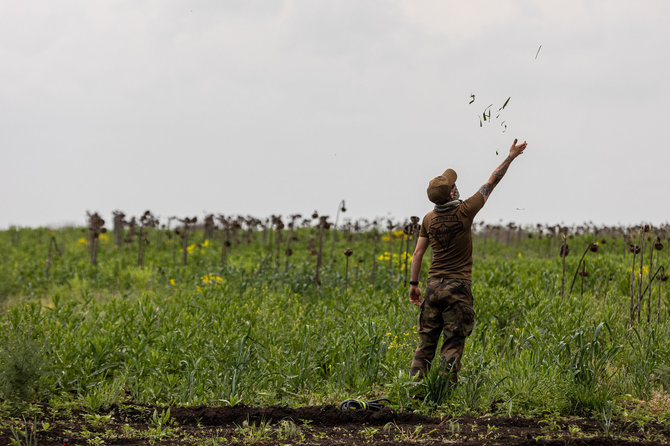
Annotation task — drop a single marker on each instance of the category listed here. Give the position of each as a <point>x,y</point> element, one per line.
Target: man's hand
<point>516,149</point>
<point>496,176</point>
<point>415,295</point>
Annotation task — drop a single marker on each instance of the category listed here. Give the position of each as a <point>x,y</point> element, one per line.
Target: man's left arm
<point>417,259</point>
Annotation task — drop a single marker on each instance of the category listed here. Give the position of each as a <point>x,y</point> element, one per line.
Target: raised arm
<point>496,176</point>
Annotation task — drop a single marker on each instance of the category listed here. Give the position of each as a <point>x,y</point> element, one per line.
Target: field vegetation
<point>302,312</point>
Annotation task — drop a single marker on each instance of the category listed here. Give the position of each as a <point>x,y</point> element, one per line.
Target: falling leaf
<point>484,115</point>
<point>496,152</point>
<point>538,51</point>
<point>505,104</point>
<point>472,97</point>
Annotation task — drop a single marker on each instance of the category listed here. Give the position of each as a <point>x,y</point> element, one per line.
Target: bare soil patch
<point>139,424</point>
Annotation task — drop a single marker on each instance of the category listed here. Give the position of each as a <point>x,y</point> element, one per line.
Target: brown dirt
<point>131,424</point>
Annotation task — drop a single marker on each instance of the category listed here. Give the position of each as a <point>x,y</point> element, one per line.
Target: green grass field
<point>259,331</point>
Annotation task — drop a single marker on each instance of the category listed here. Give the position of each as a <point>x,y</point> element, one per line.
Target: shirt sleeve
<point>473,205</point>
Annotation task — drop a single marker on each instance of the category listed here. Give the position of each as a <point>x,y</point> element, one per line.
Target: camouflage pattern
<point>447,308</point>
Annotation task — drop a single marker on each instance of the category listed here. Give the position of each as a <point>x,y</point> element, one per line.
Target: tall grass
<point>246,331</point>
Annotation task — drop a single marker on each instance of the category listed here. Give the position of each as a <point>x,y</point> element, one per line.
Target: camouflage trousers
<point>447,308</point>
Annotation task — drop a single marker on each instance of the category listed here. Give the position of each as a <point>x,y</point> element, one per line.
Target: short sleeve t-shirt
<point>450,236</point>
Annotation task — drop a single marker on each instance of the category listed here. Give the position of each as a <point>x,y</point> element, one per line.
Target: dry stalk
<point>119,224</point>
<point>639,283</point>
<point>565,250</point>
<point>635,250</point>
<point>375,239</point>
<point>184,233</point>
<point>95,228</point>
<point>389,226</point>
<point>52,244</point>
<point>340,208</point>
<point>147,220</point>
<point>323,226</point>
<point>347,253</point>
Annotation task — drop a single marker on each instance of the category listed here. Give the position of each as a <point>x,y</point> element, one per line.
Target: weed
<point>437,385</point>
<point>161,426</point>
<point>97,421</point>
<point>369,432</point>
<point>288,430</point>
<point>27,437</point>
<point>254,433</point>
<point>21,365</point>
<point>605,419</point>
<point>574,429</point>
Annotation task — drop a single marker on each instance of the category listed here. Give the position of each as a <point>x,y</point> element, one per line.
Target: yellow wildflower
<point>172,282</point>
<point>82,241</point>
<point>211,278</point>
<point>645,270</point>
<point>395,235</point>
<point>395,258</point>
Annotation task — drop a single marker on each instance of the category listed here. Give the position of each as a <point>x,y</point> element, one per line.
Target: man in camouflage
<point>448,305</point>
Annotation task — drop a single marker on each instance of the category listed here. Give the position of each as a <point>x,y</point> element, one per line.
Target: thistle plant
<point>593,247</point>
<point>291,238</point>
<point>389,226</point>
<point>657,246</point>
<point>278,224</point>
<point>375,239</point>
<point>184,233</point>
<point>347,253</point>
<point>639,279</point>
<point>635,250</point>
<point>661,278</point>
<point>147,220</point>
<point>96,226</point>
<point>340,208</point>
<point>563,253</point>
<point>225,237</point>
<point>119,224</point>
<point>323,226</point>
<point>409,230</point>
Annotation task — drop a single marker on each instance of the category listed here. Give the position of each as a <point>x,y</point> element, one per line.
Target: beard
<point>457,194</point>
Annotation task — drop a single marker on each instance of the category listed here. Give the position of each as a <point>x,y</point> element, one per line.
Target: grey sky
<point>260,107</point>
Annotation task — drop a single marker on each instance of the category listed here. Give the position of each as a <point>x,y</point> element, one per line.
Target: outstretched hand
<point>517,149</point>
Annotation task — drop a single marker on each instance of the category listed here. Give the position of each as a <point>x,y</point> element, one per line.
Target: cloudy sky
<point>262,107</point>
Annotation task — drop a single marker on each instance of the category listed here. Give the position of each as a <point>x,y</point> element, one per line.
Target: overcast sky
<point>262,107</point>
